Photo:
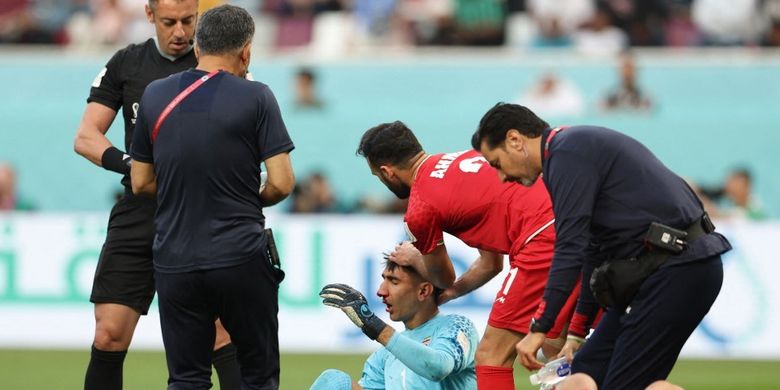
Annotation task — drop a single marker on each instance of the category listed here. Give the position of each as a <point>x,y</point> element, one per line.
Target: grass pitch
<point>34,369</point>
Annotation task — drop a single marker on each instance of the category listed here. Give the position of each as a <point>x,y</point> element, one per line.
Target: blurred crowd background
<point>595,27</point>
<point>303,44</point>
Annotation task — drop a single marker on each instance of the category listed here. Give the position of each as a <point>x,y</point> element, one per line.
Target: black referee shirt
<point>207,159</point>
<point>123,80</point>
<point>606,189</point>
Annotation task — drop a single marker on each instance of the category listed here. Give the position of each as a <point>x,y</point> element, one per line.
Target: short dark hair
<point>153,3</point>
<point>389,143</point>
<point>392,266</point>
<point>742,172</point>
<point>306,73</point>
<point>504,117</point>
<point>224,29</point>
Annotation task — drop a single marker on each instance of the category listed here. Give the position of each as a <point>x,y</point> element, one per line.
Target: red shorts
<point>516,304</point>
<point>523,289</point>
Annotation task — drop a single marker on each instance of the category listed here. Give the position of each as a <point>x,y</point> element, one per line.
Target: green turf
<point>33,370</point>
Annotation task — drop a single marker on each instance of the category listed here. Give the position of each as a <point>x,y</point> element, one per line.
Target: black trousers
<point>634,347</point>
<point>245,298</point>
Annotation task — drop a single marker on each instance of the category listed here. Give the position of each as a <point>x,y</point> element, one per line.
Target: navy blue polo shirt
<point>606,189</point>
<point>207,159</point>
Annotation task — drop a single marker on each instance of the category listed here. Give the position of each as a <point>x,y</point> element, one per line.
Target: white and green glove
<point>354,305</point>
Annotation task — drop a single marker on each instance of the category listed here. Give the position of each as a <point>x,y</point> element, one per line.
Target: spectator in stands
<point>734,199</point>
<point>426,22</point>
<point>136,25</point>
<point>726,22</point>
<point>679,29</point>
<point>772,38</point>
<point>305,90</point>
<point>109,22</point>
<point>314,195</point>
<point>740,202</point>
<point>552,96</point>
<point>50,18</point>
<point>14,18</point>
<point>557,20</point>
<point>627,95</point>
<point>9,198</point>
<point>34,21</point>
<point>295,18</point>
<point>599,37</point>
<point>642,21</point>
<point>478,22</point>
<point>374,17</point>
<point>772,11</point>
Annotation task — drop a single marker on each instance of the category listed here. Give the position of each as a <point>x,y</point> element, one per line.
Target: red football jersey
<point>461,194</point>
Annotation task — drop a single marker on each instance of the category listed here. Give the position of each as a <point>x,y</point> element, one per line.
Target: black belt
<point>702,227</point>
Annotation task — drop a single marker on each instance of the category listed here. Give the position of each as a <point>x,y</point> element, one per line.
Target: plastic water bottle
<point>552,373</point>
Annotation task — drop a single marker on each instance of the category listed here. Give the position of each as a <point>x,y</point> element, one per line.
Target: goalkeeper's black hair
<point>392,265</point>
<point>389,144</point>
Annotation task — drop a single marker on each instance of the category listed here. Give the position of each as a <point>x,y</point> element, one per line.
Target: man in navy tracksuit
<point>199,142</point>
<point>607,189</point>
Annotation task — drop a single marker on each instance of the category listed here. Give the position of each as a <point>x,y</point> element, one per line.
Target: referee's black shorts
<point>125,272</point>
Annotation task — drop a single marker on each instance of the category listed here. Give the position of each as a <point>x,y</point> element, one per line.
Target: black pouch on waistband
<point>615,283</point>
<point>273,256</point>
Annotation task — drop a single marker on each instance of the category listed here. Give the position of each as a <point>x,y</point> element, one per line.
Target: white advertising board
<point>47,262</point>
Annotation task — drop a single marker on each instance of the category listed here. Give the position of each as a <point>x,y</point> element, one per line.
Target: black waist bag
<point>615,283</point>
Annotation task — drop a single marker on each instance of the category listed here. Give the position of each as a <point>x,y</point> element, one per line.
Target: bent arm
<point>281,179</point>
<point>91,141</point>
<point>485,267</point>
<point>143,179</point>
<point>429,363</point>
<point>438,267</point>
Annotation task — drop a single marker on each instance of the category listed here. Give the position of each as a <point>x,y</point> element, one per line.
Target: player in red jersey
<point>461,194</point>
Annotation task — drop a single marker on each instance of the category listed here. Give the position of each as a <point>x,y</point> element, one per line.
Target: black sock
<point>226,364</point>
<point>105,370</point>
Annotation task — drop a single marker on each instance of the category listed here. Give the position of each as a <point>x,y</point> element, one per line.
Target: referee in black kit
<point>123,286</point>
<point>613,200</point>
<point>200,139</point>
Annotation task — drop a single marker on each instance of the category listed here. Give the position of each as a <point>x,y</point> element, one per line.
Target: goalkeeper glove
<point>355,306</point>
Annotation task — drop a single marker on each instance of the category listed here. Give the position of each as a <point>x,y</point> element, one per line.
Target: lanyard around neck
<point>175,102</point>
<point>550,136</point>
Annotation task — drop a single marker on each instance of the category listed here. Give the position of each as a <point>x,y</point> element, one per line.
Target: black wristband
<point>373,326</point>
<point>537,326</point>
<point>116,160</point>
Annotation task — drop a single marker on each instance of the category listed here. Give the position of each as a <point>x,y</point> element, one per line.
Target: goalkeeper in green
<point>435,351</point>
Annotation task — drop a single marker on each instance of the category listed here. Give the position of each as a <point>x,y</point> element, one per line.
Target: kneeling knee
<point>663,385</point>
<point>578,382</point>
